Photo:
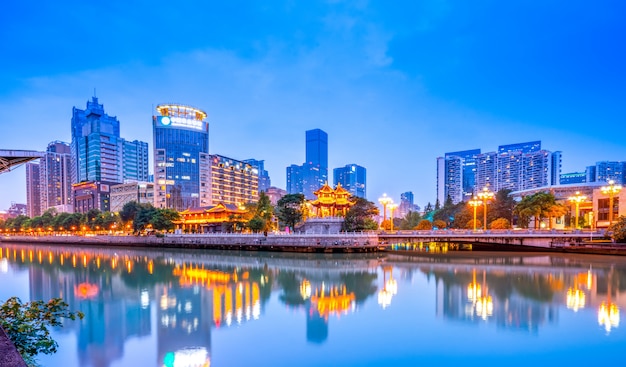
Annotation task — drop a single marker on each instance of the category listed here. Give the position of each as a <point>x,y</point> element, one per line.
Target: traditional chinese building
<point>331,202</point>
<point>209,219</point>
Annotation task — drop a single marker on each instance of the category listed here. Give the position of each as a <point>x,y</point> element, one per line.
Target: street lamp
<point>392,206</point>
<point>577,199</point>
<point>485,196</point>
<point>611,190</point>
<point>384,201</point>
<point>475,203</point>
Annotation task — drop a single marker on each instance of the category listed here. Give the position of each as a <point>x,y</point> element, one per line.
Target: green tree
<point>128,212</point>
<point>289,210</point>
<point>27,324</point>
<point>360,217</point>
<point>163,219</point>
<point>256,224</point>
<point>619,229</point>
<point>263,213</point>
<point>143,217</point>
<point>502,206</point>
<point>428,208</point>
<point>410,220</point>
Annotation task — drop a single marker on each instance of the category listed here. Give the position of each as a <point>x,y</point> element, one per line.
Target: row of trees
<point>133,216</point>
<point>502,212</point>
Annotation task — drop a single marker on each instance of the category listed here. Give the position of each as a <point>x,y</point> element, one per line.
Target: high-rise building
<point>313,174</point>
<point>135,161</point>
<point>407,204</point>
<point>33,193</point>
<point>353,178</point>
<point>610,170</point>
<point>181,157</point>
<point>232,181</point>
<point>515,166</point>
<point>456,175</point>
<point>56,177</point>
<point>99,153</point>
<point>264,177</point>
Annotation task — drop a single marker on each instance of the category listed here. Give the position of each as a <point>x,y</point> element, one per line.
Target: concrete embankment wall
<point>355,242</point>
<point>9,357</point>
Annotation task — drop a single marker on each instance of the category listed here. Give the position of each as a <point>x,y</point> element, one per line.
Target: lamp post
<point>611,189</point>
<point>475,203</point>
<point>392,206</point>
<point>485,196</point>
<point>384,201</point>
<point>577,199</point>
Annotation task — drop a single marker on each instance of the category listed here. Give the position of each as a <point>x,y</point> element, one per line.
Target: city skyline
<point>393,87</point>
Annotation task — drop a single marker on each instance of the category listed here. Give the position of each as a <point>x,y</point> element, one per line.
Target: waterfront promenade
<point>343,242</point>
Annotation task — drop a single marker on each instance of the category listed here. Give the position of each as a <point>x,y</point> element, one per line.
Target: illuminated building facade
<point>99,153</point>
<point>209,219</point>
<point>91,195</point>
<point>33,194</point>
<point>264,178</point>
<point>275,194</point>
<point>456,175</point>
<point>232,181</point>
<point>140,192</point>
<point>353,178</point>
<point>515,167</point>
<point>56,177</point>
<point>313,174</point>
<point>181,157</point>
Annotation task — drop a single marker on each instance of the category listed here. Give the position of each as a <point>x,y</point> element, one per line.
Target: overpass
<point>504,238</point>
<point>10,159</point>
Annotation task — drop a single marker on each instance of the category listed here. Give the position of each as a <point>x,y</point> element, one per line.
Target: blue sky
<point>394,84</point>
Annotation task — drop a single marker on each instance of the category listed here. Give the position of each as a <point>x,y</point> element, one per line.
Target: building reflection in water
<point>181,297</point>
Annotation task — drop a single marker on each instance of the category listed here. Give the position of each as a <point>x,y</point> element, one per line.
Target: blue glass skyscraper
<point>313,174</point>
<point>181,157</point>
<point>353,178</point>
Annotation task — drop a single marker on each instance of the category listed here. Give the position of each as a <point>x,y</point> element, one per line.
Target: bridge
<point>503,238</point>
<point>10,159</point>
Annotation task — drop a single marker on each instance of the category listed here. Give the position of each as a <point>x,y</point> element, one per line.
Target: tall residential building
<point>610,170</point>
<point>135,158</point>
<point>56,177</point>
<point>181,157</point>
<point>264,177</point>
<point>99,153</point>
<point>232,181</point>
<point>456,175</point>
<point>515,166</point>
<point>573,178</point>
<point>33,193</point>
<point>353,178</point>
<point>313,174</point>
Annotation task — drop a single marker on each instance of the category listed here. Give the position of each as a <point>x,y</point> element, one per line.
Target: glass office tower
<point>353,178</point>
<point>181,157</point>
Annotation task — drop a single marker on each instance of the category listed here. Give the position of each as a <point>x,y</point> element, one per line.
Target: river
<point>209,308</point>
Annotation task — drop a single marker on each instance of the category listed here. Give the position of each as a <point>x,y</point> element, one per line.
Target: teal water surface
<point>208,308</point>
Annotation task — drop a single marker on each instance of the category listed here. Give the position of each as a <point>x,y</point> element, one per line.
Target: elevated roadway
<point>11,159</point>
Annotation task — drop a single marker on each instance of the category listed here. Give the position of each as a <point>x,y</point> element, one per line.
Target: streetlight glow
<point>611,189</point>
<point>485,196</point>
<point>475,203</point>
<point>577,199</point>
<point>384,201</point>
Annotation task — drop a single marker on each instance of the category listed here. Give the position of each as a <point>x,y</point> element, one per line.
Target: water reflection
<point>181,299</point>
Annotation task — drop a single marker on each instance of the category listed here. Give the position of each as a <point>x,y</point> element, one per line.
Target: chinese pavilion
<point>209,219</point>
<point>331,203</point>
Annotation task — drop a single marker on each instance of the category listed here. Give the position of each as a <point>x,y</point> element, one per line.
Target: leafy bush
<point>470,224</point>
<point>619,229</point>
<point>500,223</point>
<point>439,224</point>
<point>27,324</point>
<point>424,224</point>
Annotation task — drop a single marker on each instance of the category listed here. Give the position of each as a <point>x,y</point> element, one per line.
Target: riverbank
<point>9,357</point>
<point>324,243</point>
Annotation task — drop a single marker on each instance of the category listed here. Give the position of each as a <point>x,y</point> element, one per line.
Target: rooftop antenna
<point>94,92</point>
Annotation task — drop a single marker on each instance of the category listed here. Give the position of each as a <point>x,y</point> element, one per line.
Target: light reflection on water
<point>201,308</point>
